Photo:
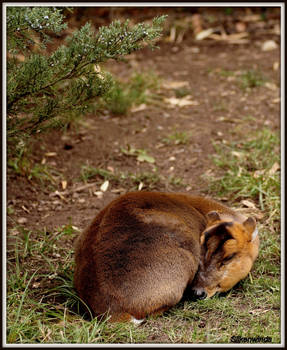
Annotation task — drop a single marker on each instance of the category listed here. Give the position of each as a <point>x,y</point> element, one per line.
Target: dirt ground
<point>216,109</point>
<point>220,111</point>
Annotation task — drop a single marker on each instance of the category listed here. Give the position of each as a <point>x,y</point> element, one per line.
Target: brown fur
<point>227,254</point>
<point>141,252</point>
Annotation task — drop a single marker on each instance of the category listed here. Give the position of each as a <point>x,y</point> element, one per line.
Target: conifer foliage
<point>49,89</point>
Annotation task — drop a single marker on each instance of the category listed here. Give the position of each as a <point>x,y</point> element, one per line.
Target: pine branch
<point>39,88</point>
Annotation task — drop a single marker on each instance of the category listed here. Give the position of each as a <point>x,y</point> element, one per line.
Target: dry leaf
<point>240,27</point>
<point>237,154</point>
<point>36,285</point>
<point>175,84</point>
<point>57,194</point>
<point>47,336</point>
<point>258,173</point>
<point>99,194</point>
<point>251,18</point>
<point>118,190</point>
<point>194,49</point>
<point>257,214</point>
<point>50,154</point>
<point>54,275</point>
<point>209,172</point>
<point>258,311</point>
<point>276,100</point>
<point>204,34</point>
<point>181,102</point>
<point>180,36</point>
<point>19,57</point>
<point>82,188</point>
<point>237,38</point>
<point>25,209</point>
<point>22,221</point>
<point>13,232</point>
<point>269,45</point>
<point>239,171</point>
<point>172,34</point>
<point>97,68</point>
<point>248,204</point>
<point>111,169</point>
<point>276,65</point>
<point>271,86</point>
<point>105,186</point>
<point>274,168</point>
<point>139,108</point>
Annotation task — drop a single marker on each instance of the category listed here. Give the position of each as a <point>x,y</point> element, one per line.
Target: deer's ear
<point>212,216</point>
<point>250,226</point>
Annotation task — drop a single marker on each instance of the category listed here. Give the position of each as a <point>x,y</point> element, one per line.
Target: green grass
<point>123,96</point>
<point>43,307</point>
<point>177,138</point>
<point>182,92</point>
<point>176,181</point>
<point>140,154</point>
<point>148,179</point>
<point>249,172</point>
<point>21,164</point>
<point>246,79</point>
<point>251,79</point>
<point>226,73</point>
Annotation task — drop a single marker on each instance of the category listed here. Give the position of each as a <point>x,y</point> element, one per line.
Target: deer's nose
<point>199,293</point>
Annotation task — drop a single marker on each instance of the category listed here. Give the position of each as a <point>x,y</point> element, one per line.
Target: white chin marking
<point>137,322</point>
<point>254,234</point>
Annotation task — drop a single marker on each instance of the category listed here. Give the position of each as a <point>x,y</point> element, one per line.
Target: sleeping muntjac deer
<point>145,249</point>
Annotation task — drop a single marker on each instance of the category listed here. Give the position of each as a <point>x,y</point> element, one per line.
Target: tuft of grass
<point>182,92</point>
<point>146,180</point>
<point>219,106</point>
<point>226,73</point>
<point>176,181</point>
<point>251,79</point>
<point>140,154</point>
<point>123,96</point>
<point>178,138</point>
<point>251,170</point>
<point>89,172</point>
<point>247,79</point>
<point>20,164</point>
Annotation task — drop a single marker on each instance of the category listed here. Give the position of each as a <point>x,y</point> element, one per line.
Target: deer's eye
<point>227,259</point>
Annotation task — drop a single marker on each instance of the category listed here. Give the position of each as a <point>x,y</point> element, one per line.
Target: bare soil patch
<point>222,111</point>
